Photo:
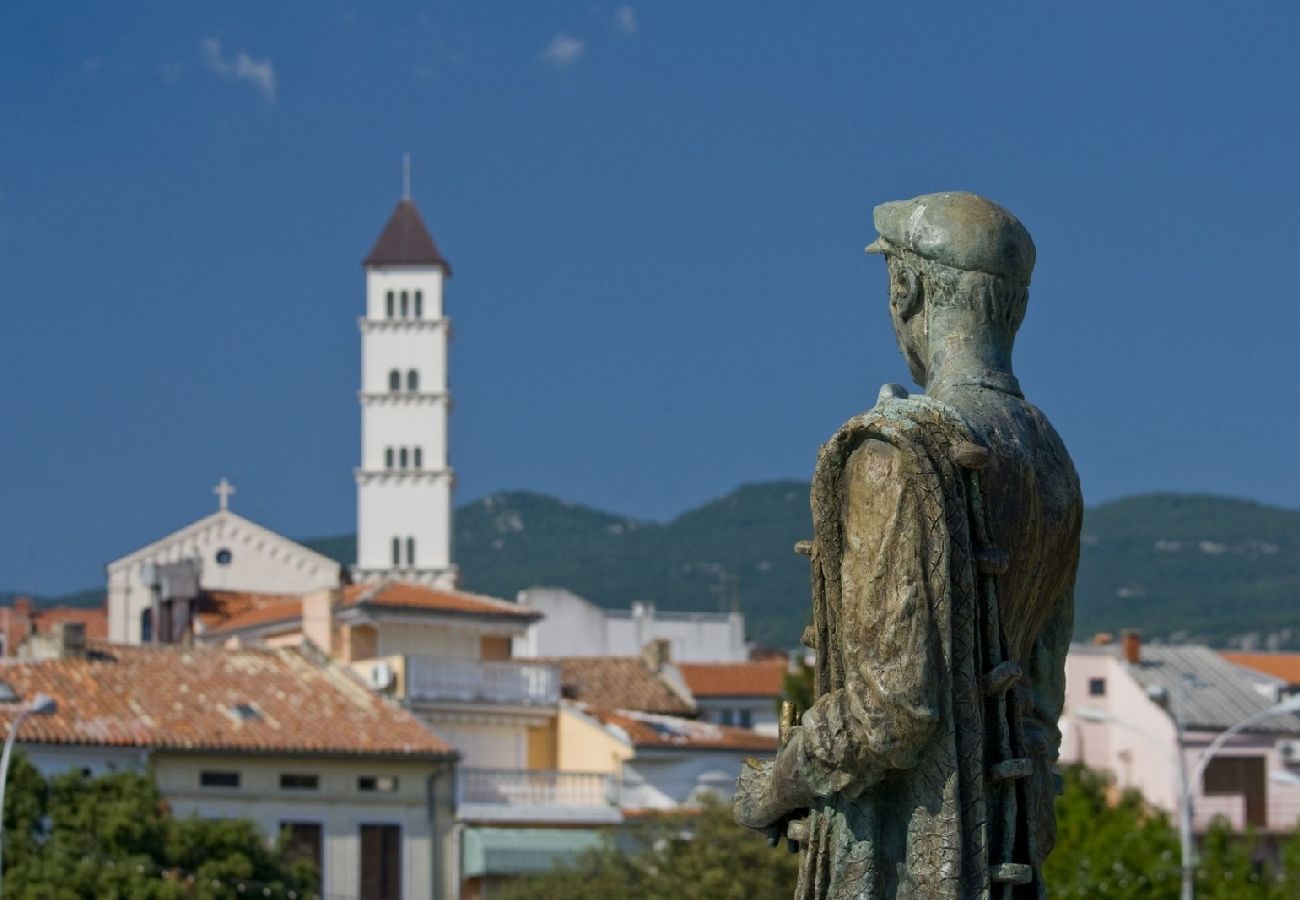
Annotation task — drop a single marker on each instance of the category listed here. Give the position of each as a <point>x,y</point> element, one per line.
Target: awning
<point>523,851</point>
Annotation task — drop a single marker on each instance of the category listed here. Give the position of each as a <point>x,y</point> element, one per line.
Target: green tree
<point>689,856</point>
<point>1118,849</point>
<point>114,837</point>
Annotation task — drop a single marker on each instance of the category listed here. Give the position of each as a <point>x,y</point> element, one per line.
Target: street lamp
<point>1160,697</point>
<point>40,705</point>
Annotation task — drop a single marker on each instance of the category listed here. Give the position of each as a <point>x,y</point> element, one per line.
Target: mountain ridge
<point>1183,567</point>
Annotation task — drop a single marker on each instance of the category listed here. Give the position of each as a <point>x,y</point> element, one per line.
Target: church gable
<point>223,551</point>
<point>233,553</point>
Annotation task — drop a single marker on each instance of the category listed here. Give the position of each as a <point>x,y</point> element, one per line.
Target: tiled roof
<point>1284,666</point>
<point>403,594</point>
<point>1207,691</point>
<point>281,610</point>
<point>184,698</point>
<point>252,610</point>
<point>94,618</point>
<point>216,609</point>
<point>618,682</point>
<point>746,679</point>
<point>667,732</point>
<point>406,241</point>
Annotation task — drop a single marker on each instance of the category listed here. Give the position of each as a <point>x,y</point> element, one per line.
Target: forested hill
<point>1181,567</point>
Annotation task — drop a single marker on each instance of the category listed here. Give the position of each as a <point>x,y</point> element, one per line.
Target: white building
<point>1117,720</point>
<point>150,590</point>
<point>281,737</point>
<point>573,626</point>
<point>404,481</point>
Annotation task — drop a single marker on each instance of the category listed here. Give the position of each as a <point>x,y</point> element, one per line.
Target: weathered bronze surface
<point>945,543</point>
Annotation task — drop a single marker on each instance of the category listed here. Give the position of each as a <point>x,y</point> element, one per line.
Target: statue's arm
<point>888,708</point>
<point>1047,665</point>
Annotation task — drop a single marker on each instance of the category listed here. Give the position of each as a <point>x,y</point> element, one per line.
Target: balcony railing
<point>472,681</point>
<point>536,795</point>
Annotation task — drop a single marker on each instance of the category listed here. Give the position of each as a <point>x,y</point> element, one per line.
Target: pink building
<point>1117,720</point>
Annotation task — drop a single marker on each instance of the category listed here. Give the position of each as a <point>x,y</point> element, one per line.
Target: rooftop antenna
<point>406,176</point>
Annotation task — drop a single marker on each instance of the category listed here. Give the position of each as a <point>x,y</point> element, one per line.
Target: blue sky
<point>656,215</point>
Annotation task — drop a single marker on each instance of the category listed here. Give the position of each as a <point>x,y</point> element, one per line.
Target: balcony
<point>471,681</point>
<point>535,795</point>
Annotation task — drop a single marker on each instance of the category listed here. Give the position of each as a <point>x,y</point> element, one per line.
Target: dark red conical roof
<point>406,241</point>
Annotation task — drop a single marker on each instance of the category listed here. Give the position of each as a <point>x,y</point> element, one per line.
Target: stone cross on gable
<point>223,490</point>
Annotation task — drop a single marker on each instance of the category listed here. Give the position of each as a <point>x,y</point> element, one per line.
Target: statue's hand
<point>754,805</point>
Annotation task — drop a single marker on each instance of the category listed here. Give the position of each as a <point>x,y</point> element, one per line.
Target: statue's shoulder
<point>904,420</point>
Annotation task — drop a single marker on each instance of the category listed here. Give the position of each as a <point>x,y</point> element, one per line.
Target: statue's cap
<point>957,229</point>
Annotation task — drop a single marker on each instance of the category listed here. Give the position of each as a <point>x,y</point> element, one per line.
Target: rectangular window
<point>219,779</point>
<point>727,717</point>
<point>1243,776</point>
<point>381,862</point>
<point>379,784</point>
<point>746,718</point>
<point>298,782</point>
<point>1096,687</point>
<point>303,840</point>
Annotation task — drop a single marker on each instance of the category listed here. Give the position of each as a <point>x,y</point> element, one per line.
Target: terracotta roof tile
<point>183,698</point>
<point>646,730</point>
<point>746,679</point>
<point>276,611</point>
<point>95,619</point>
<point>405,241</point>
<point>415,596</point>
<point>618,682</point>
<point>215,608</point>
<point>1285,666</point>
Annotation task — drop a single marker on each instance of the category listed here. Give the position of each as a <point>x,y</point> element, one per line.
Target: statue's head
<point>959,268</point>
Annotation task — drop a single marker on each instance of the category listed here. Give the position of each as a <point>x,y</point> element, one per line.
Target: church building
<point>404,481</point>
<point>182,583</point>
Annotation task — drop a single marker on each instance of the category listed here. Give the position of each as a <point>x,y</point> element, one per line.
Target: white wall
<point>261,562</point>
<point>665,779</point>
<point>570,625</point>
<point>484,745</point>
<point>396,505</point>
<point>338,806</point>
<point>395,502</point>
<point>415,639</point>
<point>573,626</point>
<point>763,716</point>
<point>379,280</point>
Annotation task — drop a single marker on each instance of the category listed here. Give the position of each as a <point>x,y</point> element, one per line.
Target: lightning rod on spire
<point>406,176</point>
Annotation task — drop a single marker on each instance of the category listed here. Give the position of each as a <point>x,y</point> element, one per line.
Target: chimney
<point>656,654</point>
<point>23,606</point>
<point>318,620</point>
<point>70,639</point>
<point>1132,642</point>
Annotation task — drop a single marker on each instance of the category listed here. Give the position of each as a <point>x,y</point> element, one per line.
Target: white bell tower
<point>404,481</point>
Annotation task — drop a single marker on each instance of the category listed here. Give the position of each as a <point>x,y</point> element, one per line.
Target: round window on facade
<point>224,557</point>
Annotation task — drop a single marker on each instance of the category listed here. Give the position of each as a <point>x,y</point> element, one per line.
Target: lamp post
<point>1186,783</point>
<point>40,705</point>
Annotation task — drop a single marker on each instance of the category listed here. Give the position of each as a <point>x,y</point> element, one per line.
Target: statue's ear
<point>906,293</point>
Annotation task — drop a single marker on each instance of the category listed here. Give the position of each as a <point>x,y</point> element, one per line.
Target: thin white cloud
<point>625,19</point>
<point>563,50</point>
<point>91,66</point>
<point>170,73</point>
<point>240,67</point>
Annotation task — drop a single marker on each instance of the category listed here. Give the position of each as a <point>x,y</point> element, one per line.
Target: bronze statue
<point>945,543</point>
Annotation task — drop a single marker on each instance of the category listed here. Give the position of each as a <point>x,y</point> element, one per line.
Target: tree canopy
<point>113,837</point>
